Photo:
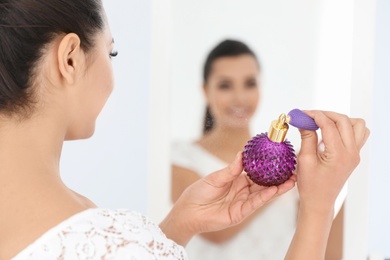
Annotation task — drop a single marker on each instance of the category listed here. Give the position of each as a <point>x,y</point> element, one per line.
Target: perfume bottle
<point>268,158</point>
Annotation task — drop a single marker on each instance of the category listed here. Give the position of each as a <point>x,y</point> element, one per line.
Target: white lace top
<point>104,234</point>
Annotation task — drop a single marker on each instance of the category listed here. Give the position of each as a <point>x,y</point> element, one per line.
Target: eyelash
<point>113,54</point>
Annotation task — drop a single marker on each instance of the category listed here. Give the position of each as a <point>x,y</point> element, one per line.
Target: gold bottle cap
<point>278,129</point>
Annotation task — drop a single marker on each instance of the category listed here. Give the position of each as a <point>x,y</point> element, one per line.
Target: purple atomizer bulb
<point>300,120</point>
<point>268,158</point>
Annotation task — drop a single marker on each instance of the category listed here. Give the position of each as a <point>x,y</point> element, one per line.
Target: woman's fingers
<point>257,199</point>
<point>361,131</point>
<point>286,186</point>
<point>344,125</point>
<point>366,135</point>
<point>330,133</point>
<point>352,132</point>
<point>259,195</point>
<point>309,142</point>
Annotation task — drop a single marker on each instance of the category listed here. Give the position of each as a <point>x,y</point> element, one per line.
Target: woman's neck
<point>32,196</point>
<point>29,149</point>
<point>29,157</point>
<point>225,142</point>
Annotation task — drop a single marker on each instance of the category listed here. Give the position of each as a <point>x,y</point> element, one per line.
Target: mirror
<point>286,37</point>
<point>305,50</point>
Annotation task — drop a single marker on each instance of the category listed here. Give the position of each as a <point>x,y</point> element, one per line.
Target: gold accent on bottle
<point>288,119</point>
<point>278,129</point>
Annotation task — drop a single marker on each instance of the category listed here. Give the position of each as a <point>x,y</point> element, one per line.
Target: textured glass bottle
<point>268,158</point>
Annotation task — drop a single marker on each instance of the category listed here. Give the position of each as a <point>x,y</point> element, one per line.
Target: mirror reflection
<point>236,67</point>
<point>231,87</point>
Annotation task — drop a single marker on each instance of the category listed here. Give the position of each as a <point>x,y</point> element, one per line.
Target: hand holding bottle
<point>217,201</point>
<point>322,171</point>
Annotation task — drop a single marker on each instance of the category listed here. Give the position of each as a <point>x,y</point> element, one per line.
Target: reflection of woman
<point>55,76</point>
<point>232,91</point>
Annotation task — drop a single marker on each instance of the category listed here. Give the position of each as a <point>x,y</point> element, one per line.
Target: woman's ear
<point>70,56</point>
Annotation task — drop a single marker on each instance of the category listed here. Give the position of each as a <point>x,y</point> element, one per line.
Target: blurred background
<point>316,54</point>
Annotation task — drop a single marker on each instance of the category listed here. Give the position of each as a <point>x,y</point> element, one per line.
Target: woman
<point>231,77</point>
<point>55,76</point>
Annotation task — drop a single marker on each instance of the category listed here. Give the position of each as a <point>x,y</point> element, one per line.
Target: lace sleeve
<point>151,243</point>
<point>104,234</point>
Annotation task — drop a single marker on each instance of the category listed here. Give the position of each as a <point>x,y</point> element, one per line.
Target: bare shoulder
<point>84,200</point>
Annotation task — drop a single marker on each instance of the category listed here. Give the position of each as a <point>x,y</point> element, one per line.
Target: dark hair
<point>227,48</point>
<point>26,28</point>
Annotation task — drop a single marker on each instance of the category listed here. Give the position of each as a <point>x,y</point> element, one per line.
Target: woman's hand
<point>321,173</point>
<point>323,169</point>
<point>217,201</point>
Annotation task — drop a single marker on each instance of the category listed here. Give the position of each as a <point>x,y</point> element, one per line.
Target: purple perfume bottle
<point>268,158</point>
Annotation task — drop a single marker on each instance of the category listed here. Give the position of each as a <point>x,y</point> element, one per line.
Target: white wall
<point>111,167</point>
<point>159,110</point>
<point>356,210</point>
<point>379,226</point>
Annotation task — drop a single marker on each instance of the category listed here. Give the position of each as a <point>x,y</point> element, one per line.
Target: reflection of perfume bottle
<point>268,158</point>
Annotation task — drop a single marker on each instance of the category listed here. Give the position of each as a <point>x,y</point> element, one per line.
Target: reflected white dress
<point>104,234</point>
<point>266,237</point>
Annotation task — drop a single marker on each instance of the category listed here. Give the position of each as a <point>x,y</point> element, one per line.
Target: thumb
<point>226,175</point>
<point>309,142</point>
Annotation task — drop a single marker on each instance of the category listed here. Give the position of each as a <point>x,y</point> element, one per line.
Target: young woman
<point>55,76</point>
<point>232,88</point>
